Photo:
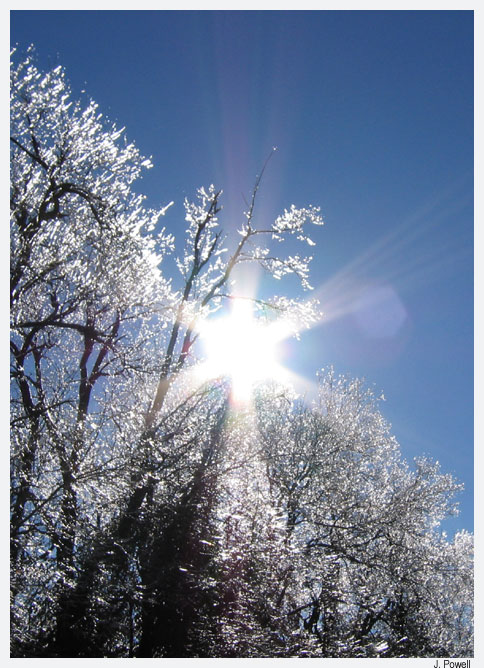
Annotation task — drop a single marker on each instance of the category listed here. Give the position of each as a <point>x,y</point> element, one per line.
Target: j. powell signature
<point>449,663</point>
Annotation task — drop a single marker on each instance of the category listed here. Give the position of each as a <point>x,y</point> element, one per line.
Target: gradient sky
<point>372,114</point>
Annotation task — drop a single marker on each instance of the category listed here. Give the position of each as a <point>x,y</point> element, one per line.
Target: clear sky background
<point>372,114</point>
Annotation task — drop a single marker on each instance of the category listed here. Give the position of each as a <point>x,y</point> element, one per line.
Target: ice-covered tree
<point>371,568</point>
<point>85,292</point>
<point>148,516</point>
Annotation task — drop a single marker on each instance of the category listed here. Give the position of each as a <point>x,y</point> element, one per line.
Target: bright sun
<point>240,347</point>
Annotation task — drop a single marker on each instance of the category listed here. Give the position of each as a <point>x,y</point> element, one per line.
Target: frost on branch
<point>293,222</point>
<point>293,315</point>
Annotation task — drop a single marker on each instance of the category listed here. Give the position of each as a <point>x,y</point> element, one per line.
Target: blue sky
<point>372,114</point>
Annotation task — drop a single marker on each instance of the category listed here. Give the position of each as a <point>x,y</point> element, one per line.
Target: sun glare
<point>240,347</point>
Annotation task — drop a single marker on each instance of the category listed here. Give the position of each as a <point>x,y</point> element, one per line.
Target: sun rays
<point>245,349</point>
<point>242,348</point>
<point>413,252</point>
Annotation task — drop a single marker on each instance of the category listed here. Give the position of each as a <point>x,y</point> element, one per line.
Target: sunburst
<point>242,348</point>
